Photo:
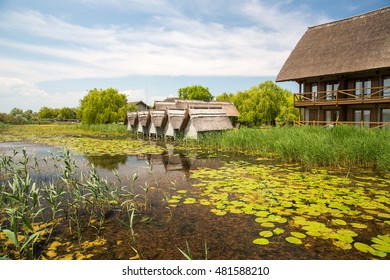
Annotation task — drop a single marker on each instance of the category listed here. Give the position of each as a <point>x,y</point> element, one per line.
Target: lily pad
<point>189,200</point>
<point>363,247</point>
<point>313,233</point>
<point>381,247</point>
<point>269,225</point>
<point>342,245</point>
<point>218,212</point>
<point>298,234</point>
<point>358,225</point>
<point>339,222</point>
<point>266,233</point>
<point>293,240</point>
<point>278,231</point>
<point>261,241</point>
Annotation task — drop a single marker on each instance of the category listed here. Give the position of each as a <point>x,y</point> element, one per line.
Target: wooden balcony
<point>343,97</point>
<point>334,123</point>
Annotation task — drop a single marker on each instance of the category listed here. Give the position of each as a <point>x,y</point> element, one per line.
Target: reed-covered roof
<point>209,119</point>
<point>132,118</point>
<point>159,117</point>
<point>227,107</point>
<point>345,46</point>
<point>177,118</point>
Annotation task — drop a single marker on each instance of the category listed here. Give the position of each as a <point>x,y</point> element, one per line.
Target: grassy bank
<point>346,146</point>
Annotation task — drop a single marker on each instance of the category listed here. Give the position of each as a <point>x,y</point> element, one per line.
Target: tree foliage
<point>195,92</point>
<point>263,104</point>
<point>103,106</point>
<point>18,116</point>
<point>64,113</point>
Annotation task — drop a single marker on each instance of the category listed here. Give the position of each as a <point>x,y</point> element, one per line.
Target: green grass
<point>105,128</point>
<point>345,146</point>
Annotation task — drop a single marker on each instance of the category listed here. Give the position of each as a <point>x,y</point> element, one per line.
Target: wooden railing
<point>334,123</point>
<point>345,96</point>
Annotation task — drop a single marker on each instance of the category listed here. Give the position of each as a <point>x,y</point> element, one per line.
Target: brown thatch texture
<point>159,117</point>
<point>177,117</point>
<point>209,119</point>
<point>144,118</point>
<point>214,123</point>
<point>228,107</point>
<point>162,105</point>
<point>345,46</point>
<point>132,118</point>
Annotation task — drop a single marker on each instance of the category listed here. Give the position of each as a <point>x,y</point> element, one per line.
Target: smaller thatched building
<point>206,119</point>
<point>132,121</point>
<point>144,122</point>
<point>159,120</point>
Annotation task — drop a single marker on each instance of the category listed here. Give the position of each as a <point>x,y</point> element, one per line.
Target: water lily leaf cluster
<point>301,206</point>
<point>77,140</point>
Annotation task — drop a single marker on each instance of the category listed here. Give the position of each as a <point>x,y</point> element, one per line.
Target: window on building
<point>314,90</point>
<point>363,87</point>
<point>331,116</point>
<point>386,83</point>
<point>362,117</point>
<point>386,117</point>
<point>331,90</point>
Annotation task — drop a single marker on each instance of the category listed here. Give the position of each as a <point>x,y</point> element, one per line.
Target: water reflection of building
<point>179,160</point>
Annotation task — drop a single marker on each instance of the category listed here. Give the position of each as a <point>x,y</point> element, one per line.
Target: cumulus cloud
<point>26,95</point>
<point>171,44</point>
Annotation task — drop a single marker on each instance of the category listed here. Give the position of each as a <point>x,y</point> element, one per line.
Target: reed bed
<point>345,146</point>
<point>32,205</point>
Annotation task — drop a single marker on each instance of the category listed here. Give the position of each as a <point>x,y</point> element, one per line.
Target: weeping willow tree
<point>263,104</point>
<point>103,106</point>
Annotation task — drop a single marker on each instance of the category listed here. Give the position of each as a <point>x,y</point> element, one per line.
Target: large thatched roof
<point>210,119</point>
<point>227,107</point>
<point>177,118</point>
<point>346,46</point>
<point>159,117</point>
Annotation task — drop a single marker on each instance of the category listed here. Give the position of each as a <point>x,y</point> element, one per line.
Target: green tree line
<point>262,104</point>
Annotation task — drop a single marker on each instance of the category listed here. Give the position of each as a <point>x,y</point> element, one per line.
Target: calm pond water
<point>230,206</point>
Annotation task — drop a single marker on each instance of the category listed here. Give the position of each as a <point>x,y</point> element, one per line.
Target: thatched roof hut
<point>206,119</point>
<point>355,44</point>
<point>144,118</point>
<point>177,118</point>
<point>158,117</point>
<point>132,118</point>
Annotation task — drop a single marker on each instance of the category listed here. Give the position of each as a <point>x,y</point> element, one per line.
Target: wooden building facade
<point>343,71</point>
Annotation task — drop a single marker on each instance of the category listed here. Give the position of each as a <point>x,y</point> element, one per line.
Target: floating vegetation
<point>294,240</point>
<point>79,139</point>
<point>261,241</point>
<point>310,205</point>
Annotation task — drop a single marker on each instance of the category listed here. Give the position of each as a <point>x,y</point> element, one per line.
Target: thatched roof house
<point>206,119</point>
<point>355,44</point>
<point>144,121</point>
<point>343,71</point>
<point>159,120</point>
<point>132,121</point>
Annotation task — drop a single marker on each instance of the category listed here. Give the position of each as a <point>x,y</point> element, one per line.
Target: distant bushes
<point>313,146</point>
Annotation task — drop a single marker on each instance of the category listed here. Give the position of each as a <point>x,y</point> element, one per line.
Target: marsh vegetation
<point>95,192</point>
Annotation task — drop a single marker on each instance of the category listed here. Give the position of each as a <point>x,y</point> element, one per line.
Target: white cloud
<point>171,45</point>
<point>18,93</point>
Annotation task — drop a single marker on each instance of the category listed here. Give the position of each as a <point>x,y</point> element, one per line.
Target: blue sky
<point>53,52</point>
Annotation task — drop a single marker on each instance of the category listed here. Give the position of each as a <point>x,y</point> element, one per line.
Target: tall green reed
<point>346,146</point>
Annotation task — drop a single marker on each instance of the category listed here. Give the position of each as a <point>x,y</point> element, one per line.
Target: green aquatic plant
<point>316,203</point>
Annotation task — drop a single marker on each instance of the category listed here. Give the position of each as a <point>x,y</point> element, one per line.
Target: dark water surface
<point>164,227</point>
